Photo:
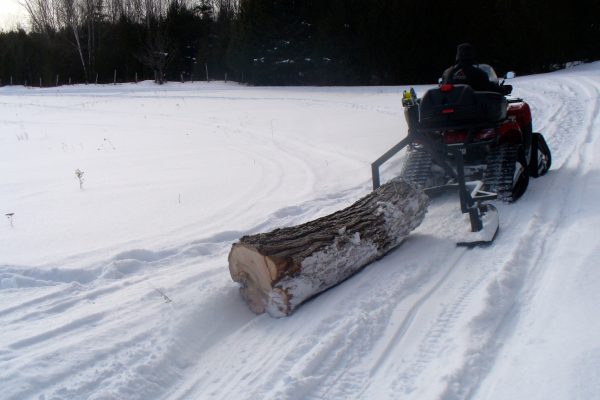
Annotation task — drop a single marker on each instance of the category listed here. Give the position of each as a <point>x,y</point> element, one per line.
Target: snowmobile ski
<point>488,214</point>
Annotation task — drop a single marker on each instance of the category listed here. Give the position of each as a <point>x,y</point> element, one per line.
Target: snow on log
<point>281,269</point>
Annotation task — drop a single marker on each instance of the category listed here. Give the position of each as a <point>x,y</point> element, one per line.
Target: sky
<point>11,13</point>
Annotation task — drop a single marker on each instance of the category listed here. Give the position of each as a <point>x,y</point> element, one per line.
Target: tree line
<point>290,42</point>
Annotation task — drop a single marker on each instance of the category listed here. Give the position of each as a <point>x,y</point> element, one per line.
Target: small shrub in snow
<point>166,298</point>
<point>9,216</point>
<point>79,174</point>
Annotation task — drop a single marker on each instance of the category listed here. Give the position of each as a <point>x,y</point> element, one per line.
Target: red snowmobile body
<point>494,132</point>
<point>512,130</point>
<point>478,143</point>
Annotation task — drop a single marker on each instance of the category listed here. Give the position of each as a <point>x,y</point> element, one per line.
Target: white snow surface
<point>121,289</point>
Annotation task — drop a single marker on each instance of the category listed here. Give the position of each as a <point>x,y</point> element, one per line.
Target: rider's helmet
<point>465,53</point>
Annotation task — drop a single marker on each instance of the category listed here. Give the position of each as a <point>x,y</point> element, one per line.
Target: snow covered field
<point>120,290</point>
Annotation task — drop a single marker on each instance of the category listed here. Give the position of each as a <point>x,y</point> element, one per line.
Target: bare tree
<point>133,9</point>
<point>68,16</point>
<point>154,10</point>
<point>81,19</point>
<point>52,15</point>
<point>41,15</point>
<point>156,54</point>
<point>91,14</point>
<point>114,9</point>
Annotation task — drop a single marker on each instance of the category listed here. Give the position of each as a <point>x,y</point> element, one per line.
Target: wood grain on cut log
<point>281,269</point>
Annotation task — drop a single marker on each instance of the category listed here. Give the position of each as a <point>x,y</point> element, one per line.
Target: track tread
<point>499,174</point>
<point>417,167</point>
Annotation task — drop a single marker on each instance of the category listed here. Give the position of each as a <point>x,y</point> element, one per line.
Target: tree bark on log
<point>281,269</point>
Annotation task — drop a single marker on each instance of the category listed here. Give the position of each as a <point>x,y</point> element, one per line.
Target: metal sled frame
<point>470,193</point>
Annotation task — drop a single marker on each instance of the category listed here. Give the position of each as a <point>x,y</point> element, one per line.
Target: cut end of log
<point>254,272</point>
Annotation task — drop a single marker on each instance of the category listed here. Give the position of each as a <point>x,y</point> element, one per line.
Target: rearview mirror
<point>510,75</point>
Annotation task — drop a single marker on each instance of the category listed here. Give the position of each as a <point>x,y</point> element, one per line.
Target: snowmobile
<point>479,143</point>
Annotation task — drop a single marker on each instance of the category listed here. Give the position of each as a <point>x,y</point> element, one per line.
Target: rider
<point>464,72</point>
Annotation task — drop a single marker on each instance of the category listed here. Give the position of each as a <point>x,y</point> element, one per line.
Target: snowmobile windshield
<point>489,72</point>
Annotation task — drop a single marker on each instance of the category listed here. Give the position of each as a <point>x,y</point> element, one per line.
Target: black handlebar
<point>506,89</point>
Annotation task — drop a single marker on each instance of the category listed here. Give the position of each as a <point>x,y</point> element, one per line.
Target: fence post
<point>96,78</point>
<point>57,76</point>
<point>206,67</point>
<point>136,79</point>
<point>69,81</point>
<point>115,77</point>
<point>40,81</point>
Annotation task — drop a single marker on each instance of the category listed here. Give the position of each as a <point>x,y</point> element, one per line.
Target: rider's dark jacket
<point>468,74</point>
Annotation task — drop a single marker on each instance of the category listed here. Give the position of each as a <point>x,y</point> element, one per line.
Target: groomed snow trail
<point>137,303</point>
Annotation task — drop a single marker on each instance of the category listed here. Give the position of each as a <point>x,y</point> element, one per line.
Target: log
<point>281,269</point>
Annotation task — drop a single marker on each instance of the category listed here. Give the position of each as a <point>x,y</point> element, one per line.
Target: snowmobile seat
<point>451,106</point>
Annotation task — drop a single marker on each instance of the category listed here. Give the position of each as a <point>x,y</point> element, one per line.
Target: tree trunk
<point>79,50</point>
<point>281,269</point>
